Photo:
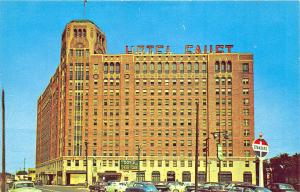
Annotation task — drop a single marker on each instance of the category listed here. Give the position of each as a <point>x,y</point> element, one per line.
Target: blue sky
<point>30,34</point>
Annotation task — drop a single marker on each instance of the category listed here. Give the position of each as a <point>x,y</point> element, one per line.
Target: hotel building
<point>141,105</point>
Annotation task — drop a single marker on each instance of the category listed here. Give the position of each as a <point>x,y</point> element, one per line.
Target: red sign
<point>260,147</point>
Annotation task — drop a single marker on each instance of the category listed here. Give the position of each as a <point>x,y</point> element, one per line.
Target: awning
<point>109,174</point>
<point>76,171</point>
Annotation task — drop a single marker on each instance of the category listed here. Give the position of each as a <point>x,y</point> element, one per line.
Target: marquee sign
<point>189,49</point>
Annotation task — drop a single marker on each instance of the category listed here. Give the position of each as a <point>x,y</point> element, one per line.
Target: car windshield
<point>151,187</point>
<point>21,185</point>
<point>285,186</point>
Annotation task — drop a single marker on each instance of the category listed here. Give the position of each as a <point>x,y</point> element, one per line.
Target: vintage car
<point>23,186</point>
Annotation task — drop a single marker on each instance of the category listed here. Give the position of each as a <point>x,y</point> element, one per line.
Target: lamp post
<point>86,162</point>
<point>3,145</point>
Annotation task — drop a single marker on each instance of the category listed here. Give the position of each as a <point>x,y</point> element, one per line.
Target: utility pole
<point>24,163</point>
<point>3,182</point>
<point>86,162</point>
<point>197,148</point>
<point>206,158</point>
<point>139,156</point>
<point>220,162</point>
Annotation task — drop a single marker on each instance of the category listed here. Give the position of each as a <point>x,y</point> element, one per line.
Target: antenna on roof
<point>84,2</point>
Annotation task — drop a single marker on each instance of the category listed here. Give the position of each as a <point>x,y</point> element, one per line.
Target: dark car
<point>98,187</point>
<point>281,187</point>
<point>162,187</point>
<point>248,188</point>
<point>141,187</point>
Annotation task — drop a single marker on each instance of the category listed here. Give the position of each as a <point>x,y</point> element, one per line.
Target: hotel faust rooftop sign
<point>189,49</point>
<point>129,165</point>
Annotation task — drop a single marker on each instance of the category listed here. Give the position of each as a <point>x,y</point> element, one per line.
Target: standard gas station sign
<point>260,147</point>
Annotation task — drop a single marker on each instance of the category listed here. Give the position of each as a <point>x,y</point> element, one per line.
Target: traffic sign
<point>260,147</point>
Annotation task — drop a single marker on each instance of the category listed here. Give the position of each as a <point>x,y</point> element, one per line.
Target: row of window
<point>174,68</point>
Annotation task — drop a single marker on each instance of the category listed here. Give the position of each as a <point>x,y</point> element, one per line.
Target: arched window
<point>155,176</point>
<point>196,67</point>
<point>204,67</point>
<point>225,176</point>
<point>111,68</point>
<point>170,176</point>
<point>145,68</point>
<point>167,68</point>
<point>159,68</point>
<point>223,66</point>
<point>174,68</point>
<point>189,69</point>
<point>186,176</point>
<point>217,66</point>
<point>117,67</point>
<point>79,32</point>
<point>137,68</point>
<point>105,68</point>
<point>151,68</point>
<point>84,33</point>
<point>75,32</point>
<point>247,177</point>
<point>181,68</point>
<point>229,67</point>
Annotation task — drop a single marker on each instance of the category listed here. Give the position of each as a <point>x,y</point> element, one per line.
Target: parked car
<point>248,188</point>
<point>141,187</point>
<point>234,183</point>
<point>176,187</point>
<point>98,187</point>
<point>116,187</point>
<point>162,187</point>
<point>23,186</point>
<point>281,187</point>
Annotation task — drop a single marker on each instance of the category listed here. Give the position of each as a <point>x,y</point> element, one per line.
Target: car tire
<point>175,190</point>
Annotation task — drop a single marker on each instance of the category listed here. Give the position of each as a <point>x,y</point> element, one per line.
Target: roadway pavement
<point>59,188</point>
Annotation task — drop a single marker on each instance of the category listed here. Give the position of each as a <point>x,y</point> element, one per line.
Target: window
<point>76,162</point>
<point>246,143</point>
<point>217,66</point>
<point>245,68</point>
<point>105,68</point>
<point>204,67</point>
<point>111,68</point>
<point>196,67</point>
<point>117,68</point>
<point>246,132</point>
<point>68,162</point>
<point>189,67</point>
<point>223,66</point>
<point>186,176</point>
<point>159,68</point>
<point>145,68</point>
<point>151,68</point>
<point>229,66</point>
<point>174,68</point>
<point>137,68</point>
<point>245,81</point>
<point>181,68</point>
<point>167,68</point>
<point>155,176</point>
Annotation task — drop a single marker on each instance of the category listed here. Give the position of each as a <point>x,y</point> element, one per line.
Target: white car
<point>116,187</point>
<point>23,186</point>
<point>176,187</point>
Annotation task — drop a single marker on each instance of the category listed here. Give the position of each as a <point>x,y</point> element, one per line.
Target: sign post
<point>261,149</point>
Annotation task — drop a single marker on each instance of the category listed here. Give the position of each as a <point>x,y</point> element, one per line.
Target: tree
<point>284,168</point>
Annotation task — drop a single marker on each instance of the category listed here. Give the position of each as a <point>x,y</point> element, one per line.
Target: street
<point>58,188</point>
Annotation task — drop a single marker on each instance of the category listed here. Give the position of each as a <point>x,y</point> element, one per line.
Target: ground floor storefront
<point>72,171</point>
